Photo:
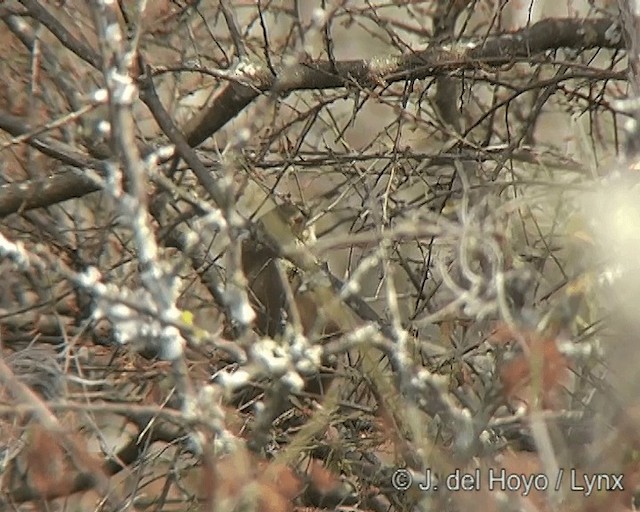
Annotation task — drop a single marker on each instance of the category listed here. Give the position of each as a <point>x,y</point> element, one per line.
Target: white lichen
<point>613,34</point>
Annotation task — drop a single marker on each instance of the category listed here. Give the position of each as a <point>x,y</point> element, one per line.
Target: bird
<point>260,266</point>
<point>272,279</point>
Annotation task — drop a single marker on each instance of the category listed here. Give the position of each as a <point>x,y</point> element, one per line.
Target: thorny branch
<point>440,318</point>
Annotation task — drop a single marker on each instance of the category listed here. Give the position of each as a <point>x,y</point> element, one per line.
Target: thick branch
<point>549,34</point>
<point>64,36</point>
<point>52,189</point>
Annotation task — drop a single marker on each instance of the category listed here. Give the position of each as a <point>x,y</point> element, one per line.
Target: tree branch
<point>550,34</point>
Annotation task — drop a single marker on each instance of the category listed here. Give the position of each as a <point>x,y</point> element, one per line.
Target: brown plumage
<point>269,293</point>
<point>259,263</point>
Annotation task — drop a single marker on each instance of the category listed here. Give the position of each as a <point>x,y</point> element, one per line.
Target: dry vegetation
<point>287,255</point>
